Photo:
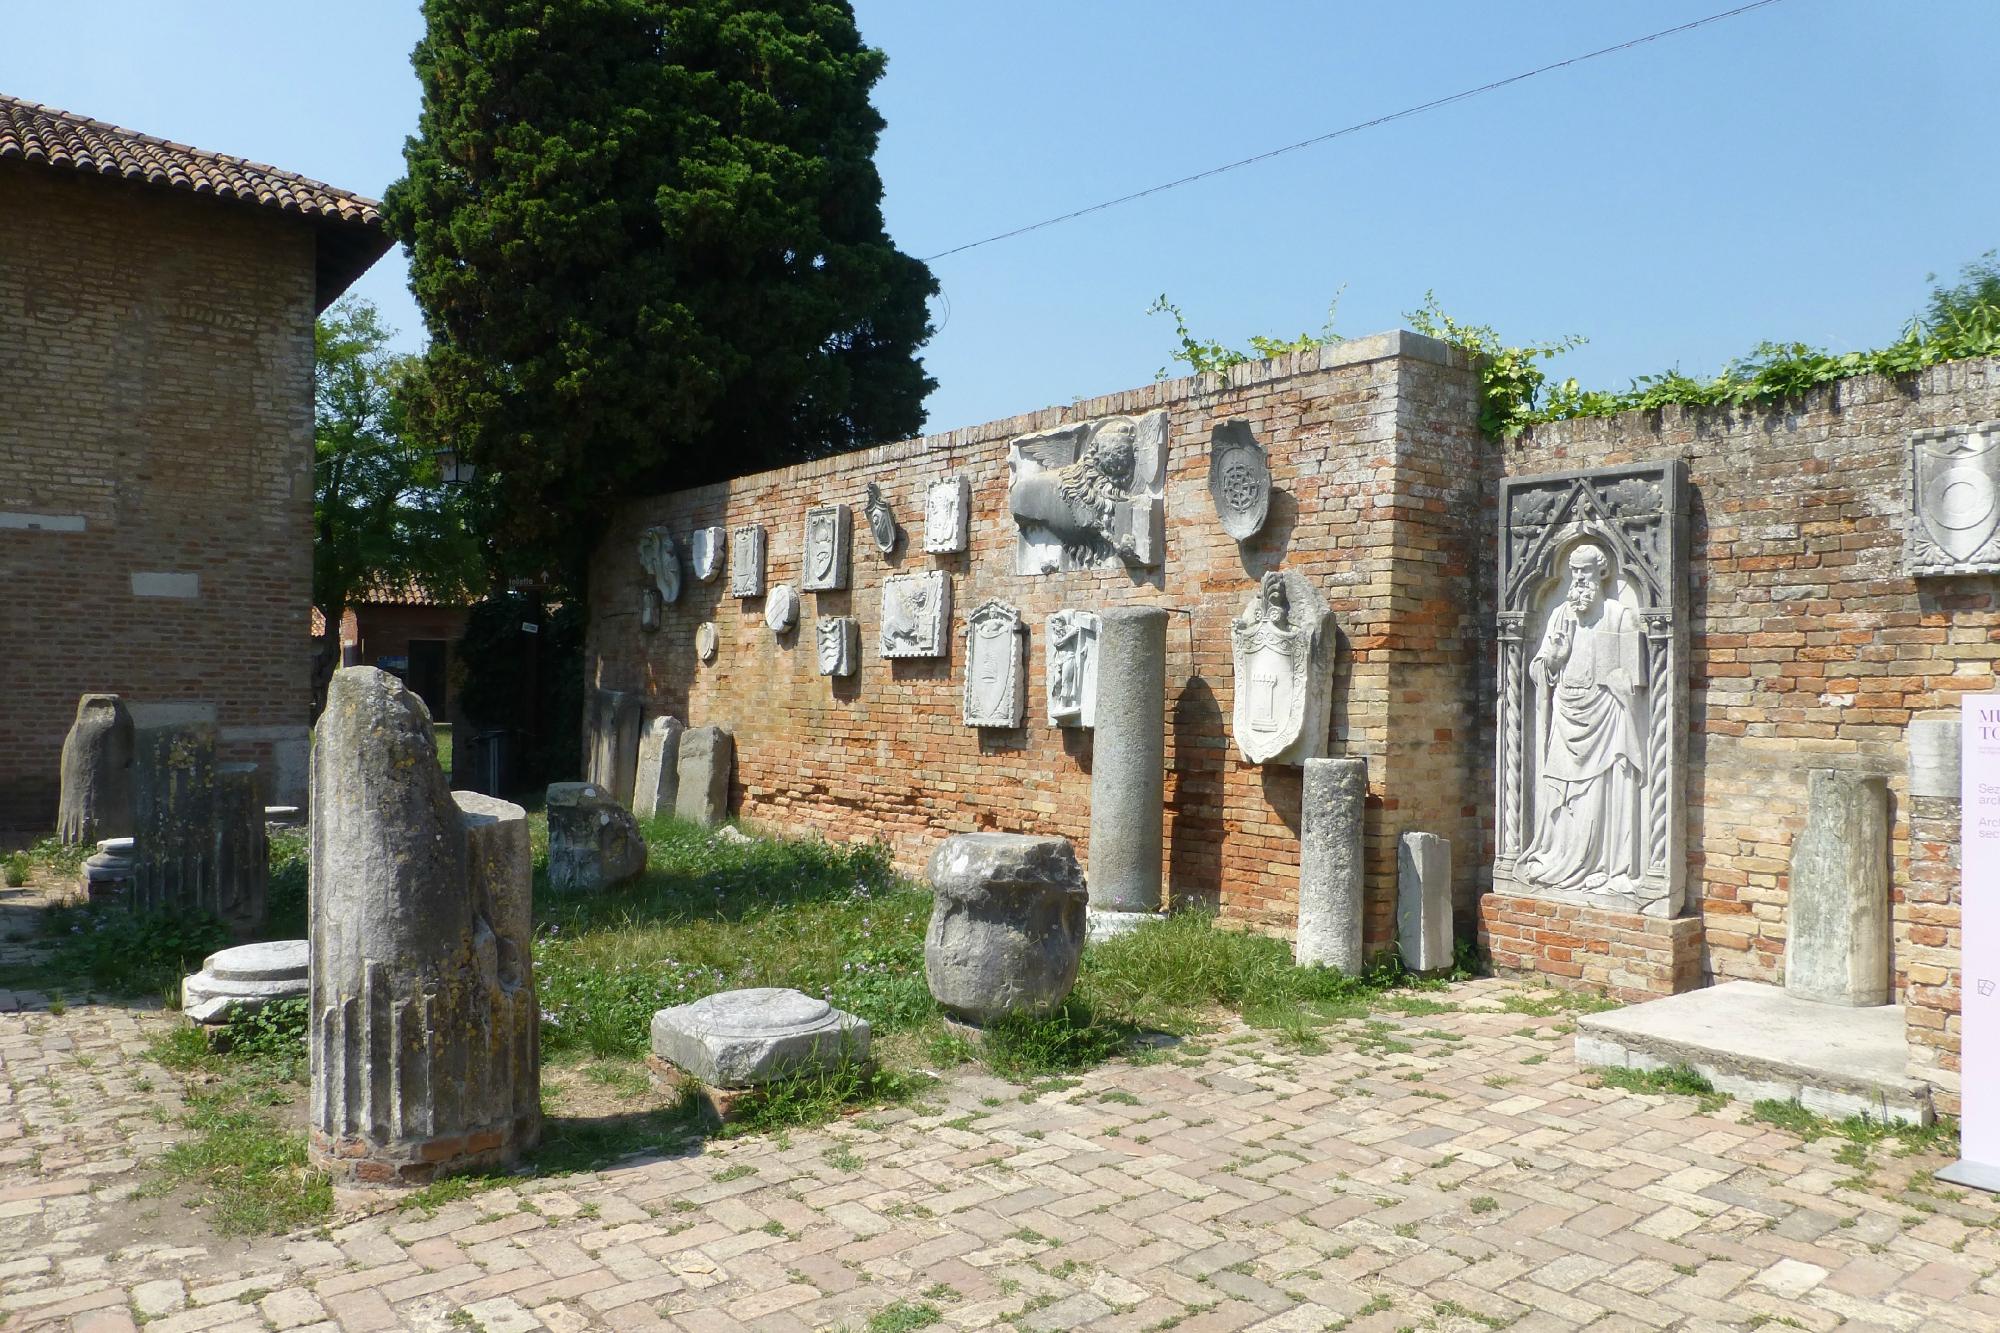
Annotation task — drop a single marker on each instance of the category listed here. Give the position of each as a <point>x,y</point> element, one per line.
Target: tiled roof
<point>350,226</point>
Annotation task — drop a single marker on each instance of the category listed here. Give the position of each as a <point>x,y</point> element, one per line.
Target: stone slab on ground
<point>245,979</point>
<point>1757,1042</point>
<point>740,1038</point>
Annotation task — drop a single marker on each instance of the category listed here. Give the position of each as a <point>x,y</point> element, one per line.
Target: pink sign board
<point>1979,944</point>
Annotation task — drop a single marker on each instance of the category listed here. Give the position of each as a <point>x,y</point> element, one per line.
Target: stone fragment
<point>742,1038</point>
<point>1283,645</point>
<point>1837,939</point>
<point>1423,901</point>
<point>746,561</point>
<point>660,558</point>
<point>881,519</point>
<point>611,741</point>
<point>838,643</point>
<point>916,612</point>
<point>245,979</point>
<point>1007,928</point>
<point>1239,479</point>
<point>242,848</point>
<point>705,552</point>
<point>659,768</point>
<point>1935,756</point>
<point>173,788</point>
<point>594,842</point>
<point>829,548</point>
<point>708,754</point>
<point>424,1028</point>
<point>108,874</point>
<point>1954,501</point>
<point>705,640</point>
<point>96,773</point>
<point>1120,465</point>
<point>996,666</point>
<point>1128,769</point>
<point>1331,869</point>
<point>947,508</point>
<point>781,609</point>
<point>1071,670</point>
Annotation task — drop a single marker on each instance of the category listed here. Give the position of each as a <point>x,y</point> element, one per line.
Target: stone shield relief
<point>746,561</point>
<point>995,666</point>
<point>946,507</point>
<point>705,552</point>
<point>881,519</point>
<point>829,542</point>
<point>838,639</point>
<point>916,608</point>
<point>1283,646</point>
<point>1090,496</point>
<point>1954,496</point>
<point>1592,697</point>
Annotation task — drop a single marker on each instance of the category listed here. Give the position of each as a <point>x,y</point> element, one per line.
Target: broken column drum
<point>96,773</point>
<point>173,790</point>
<point>1128,768</point>
<point>424,1039</point>
<point>594,842</point>
<point>1007,928</point>
<point>1332,874</point>
<point>1837,936</point>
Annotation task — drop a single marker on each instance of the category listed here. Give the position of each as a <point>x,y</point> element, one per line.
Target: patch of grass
<point>1685,1082</point>
<point>285,898</point>
<point>14,868</point>
<point>816,1096</point>
<point>902,1316</point>
<point>628,1079</point>
<point>1862,1132</point>
<point>112,949</point>
<point>1074,1037</point>
<point>1484,1203</point>
<point>1550,1003</point>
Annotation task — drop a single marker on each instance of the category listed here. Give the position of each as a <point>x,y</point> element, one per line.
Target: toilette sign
<point>1979,936</point>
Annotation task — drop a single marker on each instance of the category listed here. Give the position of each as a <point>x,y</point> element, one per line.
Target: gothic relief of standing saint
<point>1590,756</point>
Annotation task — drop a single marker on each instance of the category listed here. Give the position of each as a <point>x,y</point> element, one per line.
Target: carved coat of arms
<point>705,552</point>
<point>746,561</point>
<point>1954,524</point>
<point>1284,672</point>
<point>994,666</point>
<point>829,530</point>
<point>661,560</point>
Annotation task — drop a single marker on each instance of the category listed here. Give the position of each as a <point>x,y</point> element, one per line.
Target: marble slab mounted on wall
<point>1591,709</point>
<point>781,608</point>
<point>746,561</point>
<point>1071,668</point>
<point>947,514</point>
<point>1090,495</point>
<point>881,519</point>
<point>649,608</point>
<point>839,643</point>
<point>660,558</point>
<point>1239,479</point>
<point>705,641</point>
<point>996,666</point>
<point>705,552</point>
<point>829,545</point>
<point>916,612</point>
<point>1283,646</point>
<point>1954,497</point>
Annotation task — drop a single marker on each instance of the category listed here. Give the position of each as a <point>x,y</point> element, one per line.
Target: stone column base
<point>351,1160</point>
<point>1103,924</point>
<point>1620,954</point>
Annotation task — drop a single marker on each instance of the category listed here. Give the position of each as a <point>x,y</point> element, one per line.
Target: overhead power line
<point>1356,128</point>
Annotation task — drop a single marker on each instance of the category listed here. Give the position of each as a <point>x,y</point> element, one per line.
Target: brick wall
<point>1372,451</point>
<point>155,425</point>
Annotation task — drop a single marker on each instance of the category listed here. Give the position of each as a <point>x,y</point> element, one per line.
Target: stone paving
<point>1448,1171</point>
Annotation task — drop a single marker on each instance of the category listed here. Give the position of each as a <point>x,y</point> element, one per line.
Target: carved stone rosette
<point>1071,673</point>
<point>947,507</point>
<point>916,609</point>
<point>1239,479</point>
<point>1954,497</point>
<point>746,561</point>
<point>829,546</point>
<point>996,668</point>
<point>1591,724</point>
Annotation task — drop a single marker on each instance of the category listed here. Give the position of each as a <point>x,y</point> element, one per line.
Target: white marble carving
<point>781,608</point>
<point>1592,695</point>
<point>1090,496</point>
<point>1954,496</point>
<point>947,510</point>
<point>916,611</point>
<point>996,666</point>
<point>661,559</point>
<point>705,641</point>
<point>1283,644</point>
<point>705,552</point>
<point>839,642</point>
<point>746,561</point>
<point>829,542</point>
<point>1071,674</point>
<point>1239,479</point>
<point>649,608</point>
<point>881,519</point>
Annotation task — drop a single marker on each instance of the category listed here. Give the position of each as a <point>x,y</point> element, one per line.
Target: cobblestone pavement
<point>1448,1171</point>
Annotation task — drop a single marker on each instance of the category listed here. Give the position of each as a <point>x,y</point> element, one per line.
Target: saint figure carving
<point>1590,757</point>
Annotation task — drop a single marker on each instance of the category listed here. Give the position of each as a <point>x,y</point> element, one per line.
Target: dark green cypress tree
<point>647,240</point>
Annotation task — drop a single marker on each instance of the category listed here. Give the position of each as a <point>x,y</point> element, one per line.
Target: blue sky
<point>1792,173</point>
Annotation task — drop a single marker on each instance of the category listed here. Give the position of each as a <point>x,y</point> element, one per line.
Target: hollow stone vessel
<point>96,773</point>
<point>424,1029</point>
<point>1006,934</point>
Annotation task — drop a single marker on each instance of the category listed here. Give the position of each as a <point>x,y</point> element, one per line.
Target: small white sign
<point>1979,945</point>
<point>530,627</point>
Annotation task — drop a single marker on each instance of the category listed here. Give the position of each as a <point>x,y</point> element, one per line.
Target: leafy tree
<point>380,517</point>
<point>647,239</point>
<point>1973,296</point>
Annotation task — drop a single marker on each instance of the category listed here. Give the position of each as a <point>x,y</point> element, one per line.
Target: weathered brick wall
<point>1811,648</point>
<point>155,421</point>
<point>1373,452</point>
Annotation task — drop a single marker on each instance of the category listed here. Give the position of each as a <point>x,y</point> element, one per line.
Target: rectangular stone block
<point>1423,902</point>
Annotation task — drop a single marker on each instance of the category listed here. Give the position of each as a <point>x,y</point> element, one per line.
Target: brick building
<point>408,631</point>
<point>156,362</point>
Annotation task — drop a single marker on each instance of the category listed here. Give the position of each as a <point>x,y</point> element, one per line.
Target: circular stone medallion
<point>781,608</point>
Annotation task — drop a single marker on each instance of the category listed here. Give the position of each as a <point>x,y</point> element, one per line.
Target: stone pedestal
<point>245,979</point>
<point>96,773</point>
<point>1837,941</point>
<point>707,756</point>
<point>173,786</point>
<point>242,848</point>
<point>1423,902</point>
<point>1007,931</point>
<point>594,842</point>
<point>108,875</point>
<point>744,1038</point>
<point>1128,769</point>
<point>424,1023</point>
<point>659,768</point>
<point>1331,869</point>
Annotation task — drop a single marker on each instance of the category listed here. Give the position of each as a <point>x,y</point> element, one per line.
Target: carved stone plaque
<point>838,639</point>
<point>1091,495</point>
<point>996,666</point>
<point>746,561</point>
<point>1954,494</point>
<point>1239,479</point>
<point>705,552</point>
<point>1283,644</point>
<point>661,560</point>
<point>1072,668</point>
<point>881,519</point>
<point>916,610</point>
<point>781,608</point>
<point>1591,723</point>
<point>829,540</point>
<point>947,506</point>
<point>649,608</point>
<point>705,640</point>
